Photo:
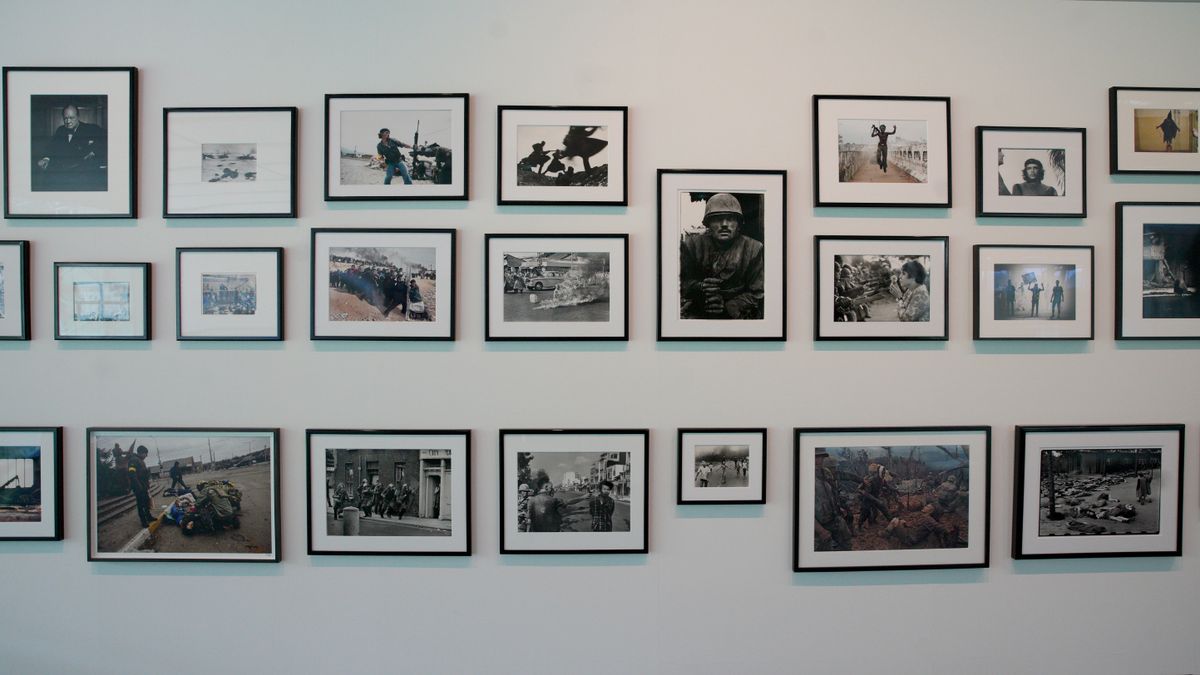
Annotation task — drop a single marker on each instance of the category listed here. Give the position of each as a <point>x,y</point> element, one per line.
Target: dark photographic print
<point>562,155</point>
<point>395,147</point>
<point>1164,130</point>
<point>722,466</point>
<point>228,162</point>
<point>382,284</point>
<point>229,293</point>
<point>721,256</point>
<point>1170,271</point>
<point>1100,491</point>
<point>387,492</point>
<point>69,142</point>
<point>100,300</point>
<point>20,483</point>
<point>556,286</point>
<point>871,152</point>
<point>1032,172</point>
<point>573,491</point>
<point>1034,291</point>
<point>881,288</point>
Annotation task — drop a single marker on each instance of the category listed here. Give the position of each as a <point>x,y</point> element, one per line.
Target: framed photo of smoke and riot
<point>1034,292</point>
<point>396,147</point>
<point>881,288</point>
<point>1154,130</point>
<point>389,492</point>
<point>722,466</point>
<point>31,484</point>
<point>564,155</point>
<point>383,284</point>
<point>1158,270</point>
<point>574,490</point>
<point>229,293</point>
<point>1093,491</point>
<point>102,301</point>
<point>891,151</point>
<point>71,142</point>
<point>1033,172</point>
<point>14,290</point>
<point>876,498</point>
<point>722,240</point>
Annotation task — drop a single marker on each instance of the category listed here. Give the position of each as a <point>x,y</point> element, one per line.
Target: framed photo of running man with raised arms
<point>565,155</point>
<point>1154,130</point>
<point>14,290</point>
<point>31,483</point>
<point>1158,271</point>
<point>1034,292</point>
<point>1031,172</point>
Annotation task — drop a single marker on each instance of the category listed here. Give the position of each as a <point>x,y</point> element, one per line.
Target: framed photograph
<point>14,290</point>
<point>565,155</point>
<point>891,498</point>
<point>396,147</point>
<point>229,293</point>
<point>881,288</point>
<point>722,250</point>
<point>1153,130</point>
<point>229,162</point>
<point>383,284</point>
<point>1034,292</point>
<point>574,490</point>
<point>1031,172</point>
<point>881,151</point>
<point>31,483</point>
<point>183,494</point>
<point>71,142</point>
<point>389,492</point>
<point>1093,491</point>
<point>102,301</point>
<point>1158,270</point>
<point>556,287</point>
<point>722,466</point>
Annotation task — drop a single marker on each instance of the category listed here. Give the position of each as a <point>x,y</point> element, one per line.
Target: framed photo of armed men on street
<point>1098,491</point>
<point>14,290</point>
<point>574,490</point>
<point>71,142</point>
<point>878,498</point>
<point>891,151</point>
<point>229,293</point>
<point>722,240</point>
<point>722,466</point>
<point>395,147</point>
<point>183,494</point>
<point>1034,292</point>
<point>564,155</point>
<point>1031,172</point>
<point>1153,130</point>
<point>1158,270</point>
<point>31,484</point>
<point>389,492</point>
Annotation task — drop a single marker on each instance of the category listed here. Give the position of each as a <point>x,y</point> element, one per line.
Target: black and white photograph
<point>1154,130</point>
<point>389,492</point>
<point>1158,270</point>
<point>14,290</point>
<point>562,155</point>
<point>1085,491</point>
<point>1035,172</point>
<point>395,146</point>
<point>1033,292</point>
<point>1171,271</point>
<point>102,301</point>
<point>229,162</point>
<point>892,498</point>
<point>229,293</point>
<point>722,466</point>
<point>71,142</point>
<point>31,495</point>
<point>183,494</point>
<point>556,286</point>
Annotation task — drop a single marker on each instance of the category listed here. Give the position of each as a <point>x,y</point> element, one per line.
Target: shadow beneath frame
<point>557,346</point>
<point>15,345</point>
<point>241,223</point>
<point>1153,179</point>
<point>232,345</point>
<point>403,561</point>
<point>720,346</point>
<point>1152,345</point>
<point>28,547</point>
<point>552,210</point>
<point>1033,346</point>
<point>71,222</point>
<point>170,568</point>
<point>972,575</point>
<point>399,205</point>
<point>105,345</point>
<point>334,346</point>
<point>877,213</point>
<point>1008,221</point>
<point>880,345</point>
<point>718,510</point>
<point>1095,565</point>
<point>573,560</point>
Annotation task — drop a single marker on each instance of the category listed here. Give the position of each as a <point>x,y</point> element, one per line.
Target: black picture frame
<point>16,250</point>
<point>180,331</point>
<point>1122,159</point>
<point>760,432</point>
<point>15,531</point>
<point>146,309</point>
<point>1131,275</point>
<point>1080,165</point>
<point>978,289</point>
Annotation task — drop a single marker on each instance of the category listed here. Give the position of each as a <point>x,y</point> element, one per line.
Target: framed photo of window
<point>1153,130</point>
<point>31,484</point>
<point>1158,270</point>
<point>1034,292</point>
<point>14,290</point>
<point>102,301</point>
<point>229,293</point>
<point>1031,172</point>
<point>722,466</point>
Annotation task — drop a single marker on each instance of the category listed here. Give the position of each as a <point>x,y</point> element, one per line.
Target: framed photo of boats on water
<point>1154,130</point>
<point>1158,270</point>
<point>31,484</point>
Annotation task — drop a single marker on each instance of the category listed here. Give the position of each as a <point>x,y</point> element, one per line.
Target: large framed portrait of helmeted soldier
<point>563,155</point>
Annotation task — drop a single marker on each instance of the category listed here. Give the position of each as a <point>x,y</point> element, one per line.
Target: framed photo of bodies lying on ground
<point>722,466</point>
<point>183,494</point>
<point>565,155</point>
<point>102,301</point>
<point>229,293</point>
<point>1034,292</point>
<point>31,483</point>
<point>881,151</point>
<point>891,498</point>
<point>1035,172</point>
<point>574,490</point>
<point>389,492</point>
<point>722,255</point>
<point>1154,130</point>
<point>14,290</point>
<point>1158,270</point>
<point>71,139</point>
<point>1091,491</point>
<point>383,284</point>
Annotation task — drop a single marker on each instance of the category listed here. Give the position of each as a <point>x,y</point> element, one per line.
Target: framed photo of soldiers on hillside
<point>722,466</point>
<point>1031,172</point>
<point>1098,491</point>
<point>31,484</point>
<point>1158,270</point>
<point>383,284</point>
<point>229,294</point>
<point>389,492</point>
<point>565,155</point>
<point>183,494</point>
<point>1154,130</point>
<point>887,151</point>
<point>14,290</point>
<point>878,498</point>
<point>722,240</point>
<point>395,147</point>
<point>1034,292</point>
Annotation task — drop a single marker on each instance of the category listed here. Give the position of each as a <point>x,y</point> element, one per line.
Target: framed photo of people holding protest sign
<point>14,290</point>
<point>229,293</point>
<point>722,466</point>
<point>1158,270</point>
<point>1031,172</point>
<point>564,155</point>
<point>1154,130</point>
<point>1034,292</point>
<point>31,483</point>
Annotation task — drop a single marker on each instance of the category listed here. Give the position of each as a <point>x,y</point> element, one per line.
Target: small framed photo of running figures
<point>229,293</point>
<point>574,490</point>
<point>14,290</point>
<point>1098,491</point>
<point>31,483</point>
<point>1158,270</point>
<point>1154,130</point>
<point>565,155</point>
<point>1031,172</point>
<point>722,466</point>
<point>389,492</point>
<point>102,301</point>
<point>1034,292</point>
<point>878,498</point>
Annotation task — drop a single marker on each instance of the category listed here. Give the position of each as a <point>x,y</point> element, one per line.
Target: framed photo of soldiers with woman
<point>1031,172</point>
<point>1154,130</point>
<point>722,466</point>
<point>31,484</point>
<point>881,498</point>
<point>1034,292</point>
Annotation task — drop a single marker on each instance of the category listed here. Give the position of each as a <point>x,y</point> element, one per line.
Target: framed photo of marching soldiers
<point>229,293</point>
<point>1034,292</point>
<point>1031,172</point>
<point>1154,130</point>
<point>31,484</point>
<point>876,498</point>
<point>1158,270</point>
<point>722,466</point>
<point>389,492</point>
<point>14,290</point>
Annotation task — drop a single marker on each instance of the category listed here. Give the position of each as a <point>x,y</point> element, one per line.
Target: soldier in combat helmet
<point>721,270</point>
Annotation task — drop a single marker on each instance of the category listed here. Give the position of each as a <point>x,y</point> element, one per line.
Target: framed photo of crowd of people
<point>1158,270</point>
<point>1033,172</point>
<point>1154,130</point>
<point>1093,491</point>
<point>31,483</point>
<point>722,466</point>
<point>71,142</point>
<point>1042,292</point>
<point>102,301</point>
<point>722,241</point>
<point>14,290</point>
<point>229,293</point>
<point>876,498</point>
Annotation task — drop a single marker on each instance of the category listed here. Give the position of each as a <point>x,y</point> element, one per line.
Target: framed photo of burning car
<point>183,494</point>
<point>1092,491</point>
<point>1158,270</point>
<point>229,293</point>
<point>31,484</point>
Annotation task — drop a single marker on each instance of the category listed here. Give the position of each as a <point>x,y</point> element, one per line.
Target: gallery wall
<point>708,85</point>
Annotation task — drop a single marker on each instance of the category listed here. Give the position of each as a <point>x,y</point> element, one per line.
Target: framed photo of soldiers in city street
<point>891,151</point>
<point>1098,491</point>
<point>31,484</point>
<point>722,249</point>
<point>881,288</point>
<point>1158,270</point>
<point>1034,292</point>
<point>14,290</point>
<point>574,490</point>
<point>102,301</point>
<point>383,284</point>
<point>389,492</point>
<point>1153,130</point>
<point>564,155</point>
<point>395,147</point>
<point>882,498</point>
<point>183,494</point>
<point>229,294</point>
<point>1031,172</point>
<point>71,142</point>
<point>722,466</point>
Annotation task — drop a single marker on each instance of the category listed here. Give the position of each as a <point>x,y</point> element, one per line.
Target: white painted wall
<point>709,85</point>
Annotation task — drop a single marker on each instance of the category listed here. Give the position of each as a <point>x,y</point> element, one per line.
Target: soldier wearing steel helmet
<point>721,270</point>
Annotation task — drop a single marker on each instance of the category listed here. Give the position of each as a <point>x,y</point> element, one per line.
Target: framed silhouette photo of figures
<point>1031,172</point>
<point>1153,130</point>
<point>564,155</point>
<point>1034,292</point>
